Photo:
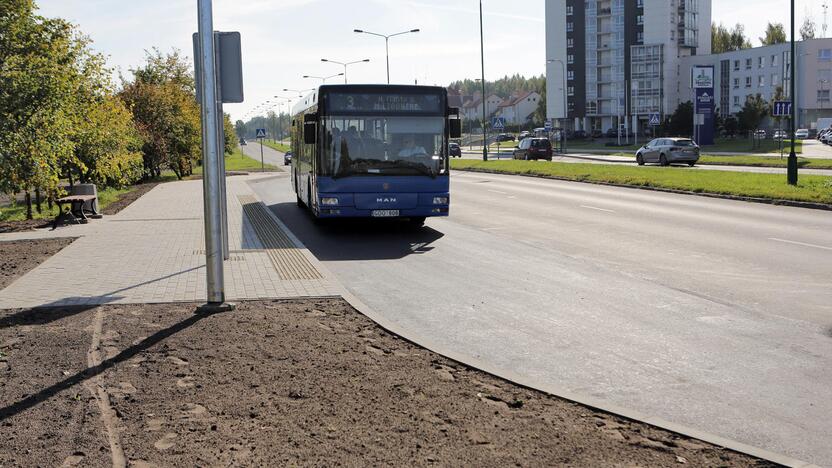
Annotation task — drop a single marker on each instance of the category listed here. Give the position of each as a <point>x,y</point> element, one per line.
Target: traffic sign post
<point>655,119</point>
<point>260,134</point>
<point>782,108</point>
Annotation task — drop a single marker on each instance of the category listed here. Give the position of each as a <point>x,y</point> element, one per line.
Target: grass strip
<point>720,146</point>
<point>813,189</point>
<point>238,162</point>
<point>277,146</point>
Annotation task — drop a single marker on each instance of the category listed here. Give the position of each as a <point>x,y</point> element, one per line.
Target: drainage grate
<point>287,259</point>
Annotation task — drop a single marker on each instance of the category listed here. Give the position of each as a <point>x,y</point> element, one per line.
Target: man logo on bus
<point>386,200</point>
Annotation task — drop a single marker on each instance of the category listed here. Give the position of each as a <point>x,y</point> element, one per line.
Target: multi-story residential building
<point>765,71</point>
<point>615,58</point>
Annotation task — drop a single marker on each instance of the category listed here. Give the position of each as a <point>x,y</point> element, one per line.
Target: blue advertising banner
<point>702,79</point>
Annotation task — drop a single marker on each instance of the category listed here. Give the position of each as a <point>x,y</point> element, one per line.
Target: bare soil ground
<point>277,383</point>
<point>18,257</point>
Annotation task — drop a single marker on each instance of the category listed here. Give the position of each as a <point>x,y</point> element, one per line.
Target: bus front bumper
<point>344,206</point>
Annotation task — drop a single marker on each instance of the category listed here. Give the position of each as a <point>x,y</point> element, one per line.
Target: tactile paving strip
<point>287,259</point>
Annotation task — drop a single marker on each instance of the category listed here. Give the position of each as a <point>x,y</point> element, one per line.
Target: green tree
<point>775,34</point>
<point>240,129</point>
<point>231,141</point>
<point>807,30</point>
<point>730,126</point>
<point>163,102</point>
<point>724,40</point>
<point>681,121</point>
<point>752,113</point>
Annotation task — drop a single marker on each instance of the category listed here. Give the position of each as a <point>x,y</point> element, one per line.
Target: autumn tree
<point>725,40</point>
<point>162,99</point>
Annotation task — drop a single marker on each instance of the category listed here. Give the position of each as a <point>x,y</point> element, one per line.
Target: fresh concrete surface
<point>714,314</point>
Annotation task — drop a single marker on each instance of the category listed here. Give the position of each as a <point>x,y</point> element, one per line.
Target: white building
<point>619,57</point>
<point>518,109</point>
<point>762,70</point>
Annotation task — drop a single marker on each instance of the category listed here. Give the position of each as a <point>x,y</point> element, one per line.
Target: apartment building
<point>764,70</point>
<point>619,58</point>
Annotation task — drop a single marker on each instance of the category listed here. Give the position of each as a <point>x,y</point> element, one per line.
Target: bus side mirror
<point>310,122</point>
<point>455,128</point>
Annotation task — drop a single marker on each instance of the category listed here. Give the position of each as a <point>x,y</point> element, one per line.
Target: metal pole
<point>210,181</point>
<point>387,53</point>
<point>345,73</point>
<point>792,163</point>
<point>565,107</point>
<point>221,169</point>
<point>482,60</point>
<point>262,164</point>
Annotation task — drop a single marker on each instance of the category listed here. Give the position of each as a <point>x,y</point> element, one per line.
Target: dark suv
<point>534,148</point>
<point>454,150</point>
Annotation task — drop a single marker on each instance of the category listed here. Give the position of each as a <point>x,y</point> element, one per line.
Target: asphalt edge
<point>526,382</point>
<point>766,201</point>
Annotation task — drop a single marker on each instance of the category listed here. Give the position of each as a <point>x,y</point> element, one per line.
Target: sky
<point>283,40</point>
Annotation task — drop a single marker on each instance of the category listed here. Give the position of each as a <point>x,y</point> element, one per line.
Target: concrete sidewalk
<point>153,251</point>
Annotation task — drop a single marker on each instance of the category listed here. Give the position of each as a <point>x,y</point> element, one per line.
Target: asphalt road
<point>711,313</point>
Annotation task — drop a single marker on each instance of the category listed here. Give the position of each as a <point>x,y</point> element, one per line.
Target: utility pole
<point>482,60</point>
<point>210,152</point>
<point>792,162</point>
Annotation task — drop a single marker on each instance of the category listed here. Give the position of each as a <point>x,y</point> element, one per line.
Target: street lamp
<point>386,44</point>
<point>299,91</point>
<point>323,78</point>
<point>345,65</point>
<point>482,63</point>
<point>565,111</point>
<point>791,174</point>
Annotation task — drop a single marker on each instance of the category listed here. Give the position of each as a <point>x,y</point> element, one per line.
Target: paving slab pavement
<point>153,251</point>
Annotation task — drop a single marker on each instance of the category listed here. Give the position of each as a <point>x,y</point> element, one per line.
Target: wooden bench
<point>76,213</point>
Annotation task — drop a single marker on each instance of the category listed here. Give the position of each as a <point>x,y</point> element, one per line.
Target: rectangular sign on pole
<point>229,66</point>
<point>702,82</point>
<point>782,109</point>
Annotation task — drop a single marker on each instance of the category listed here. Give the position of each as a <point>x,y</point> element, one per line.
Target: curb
<point>767,201</point>
<point>530,383</point>
<point>590,157</point>
<point>559,392</point>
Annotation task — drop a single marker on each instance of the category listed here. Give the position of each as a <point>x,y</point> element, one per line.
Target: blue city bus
<point>373,151</point>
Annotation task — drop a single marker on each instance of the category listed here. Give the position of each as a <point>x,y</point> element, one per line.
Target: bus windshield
<point>383,145</point>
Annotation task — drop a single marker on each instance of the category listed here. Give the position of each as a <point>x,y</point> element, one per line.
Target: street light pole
<point>565,107</point>
<point>386,44</point>
<point>792,162</point>
<point>323,78</point>
<point>350,63</point>
<point>482,61</point>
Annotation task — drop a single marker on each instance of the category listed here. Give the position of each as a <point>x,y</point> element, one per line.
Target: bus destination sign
<point>373,102</point>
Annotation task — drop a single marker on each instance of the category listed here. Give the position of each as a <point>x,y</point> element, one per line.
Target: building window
<point>570,59</point>
<point>640,37</point>
<point>640,4</point>
<point>640,19</point>
<point>823,95</point>
<point>747,63</point>
<point>736,65</point>
<point>570,27</point>
<point>773,60</point>
<point>736,83</point>
<point>761,81</point>
<point>775,80</point>
<point>570,75</point>
<point>760,62</point>
<point>824,55</point>
<point>736,101</point>
<point>570,42</point>
<point>747,81</point>
<point>570,90</point>
<point>569,10</point>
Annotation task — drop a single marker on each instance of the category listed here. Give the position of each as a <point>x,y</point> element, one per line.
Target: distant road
<point>712,313</point>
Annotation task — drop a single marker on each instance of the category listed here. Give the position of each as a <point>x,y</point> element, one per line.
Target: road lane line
<point>800,243</point>
<point>497,191</point>
<point>596,208</point>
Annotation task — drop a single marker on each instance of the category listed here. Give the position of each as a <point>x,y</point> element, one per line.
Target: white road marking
<point>492,228</point>
<point>800,243</point>
<point>596,208</point>
<point>497,191</point>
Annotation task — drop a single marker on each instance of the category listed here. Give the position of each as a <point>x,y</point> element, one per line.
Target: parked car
<point>597,133</point>
<point>578,135</point>
<point>761,134</point>
<point>779,135</point>
<point>287,158</point>
<point>534,148</point>
<point>610,133</point>
<point>667,151</point>
<point>504,137</point>
<point>801,134</point>
<point>454,150</point>
<point>242,141</point>
<point>524,134</point>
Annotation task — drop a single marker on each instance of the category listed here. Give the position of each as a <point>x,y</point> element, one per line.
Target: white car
<point>801,134</point>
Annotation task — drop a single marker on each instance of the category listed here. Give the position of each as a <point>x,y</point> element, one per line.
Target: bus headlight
<point>329,201</point>
<point>440,200</point>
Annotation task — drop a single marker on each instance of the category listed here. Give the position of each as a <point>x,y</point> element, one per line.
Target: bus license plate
<point>384,213</point>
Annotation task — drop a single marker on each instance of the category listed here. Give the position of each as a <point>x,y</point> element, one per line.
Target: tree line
<point>63,119</point>
<point>729,40</point>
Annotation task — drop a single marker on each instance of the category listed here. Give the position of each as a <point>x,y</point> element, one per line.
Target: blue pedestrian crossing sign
<point>498,123</point>
<point>261,133</point>
<point>782,108</point>
<point>655,119</point>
